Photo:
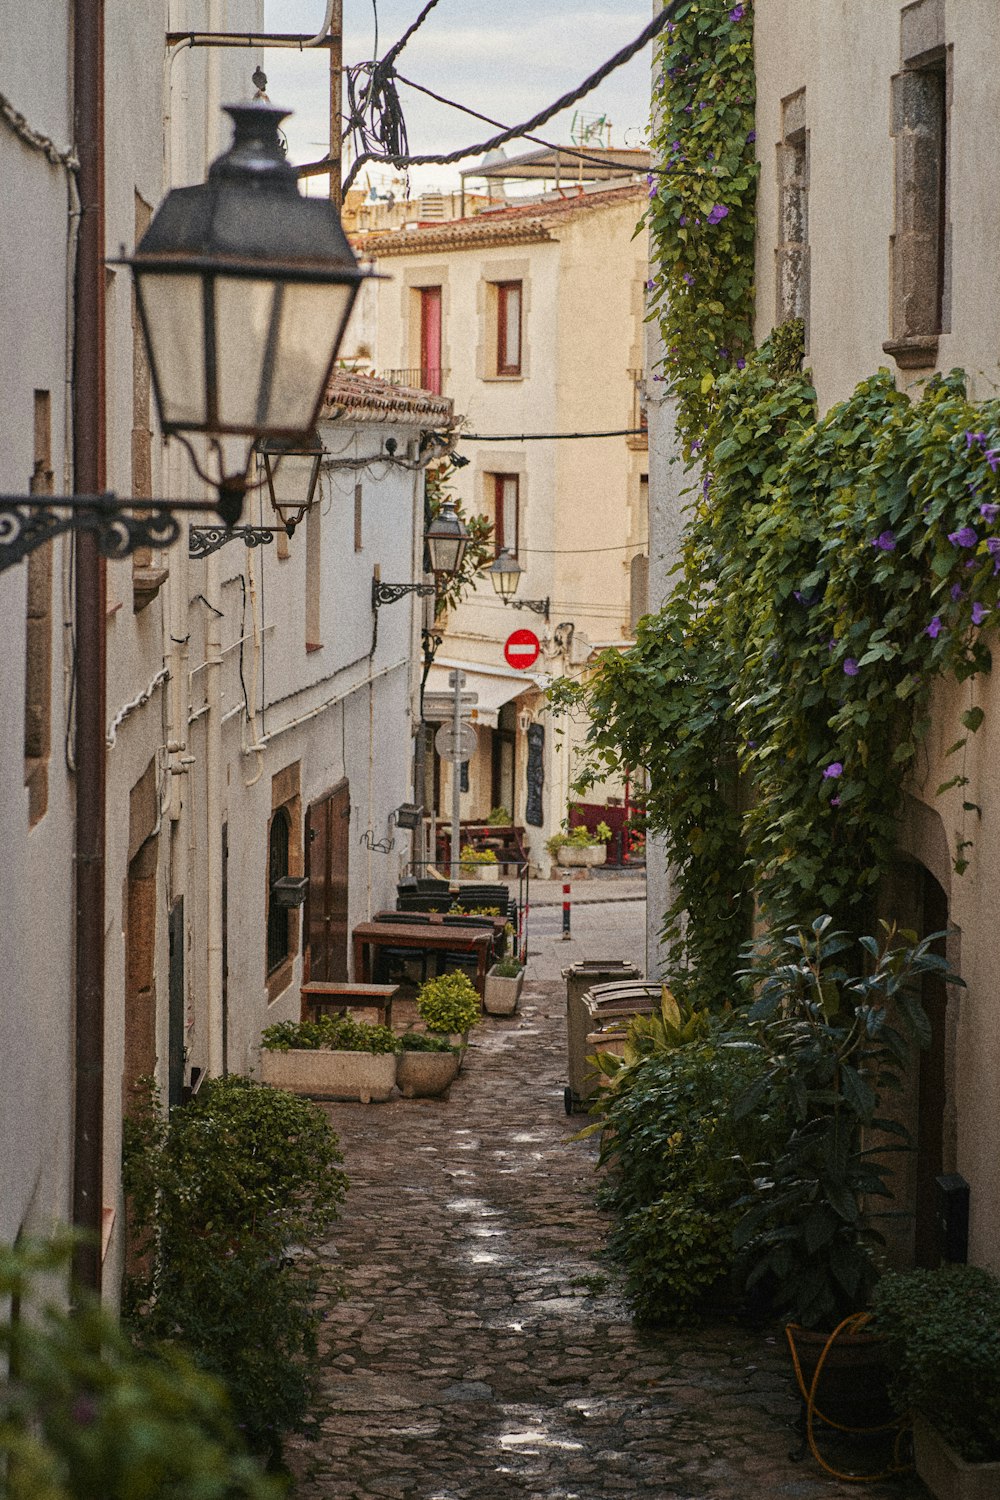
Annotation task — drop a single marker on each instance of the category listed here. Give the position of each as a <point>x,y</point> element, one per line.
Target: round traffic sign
<point>444,742</point>
<point>521,648</point>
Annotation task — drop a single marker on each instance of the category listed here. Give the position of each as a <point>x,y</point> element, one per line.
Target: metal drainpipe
<point>213,690</point>
<point>89,478</point>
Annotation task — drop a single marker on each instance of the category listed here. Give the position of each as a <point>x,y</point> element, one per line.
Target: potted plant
<point>503,987</point>
<point>477,864</point>
<point>832,1046</point>
<point>449,1006</point>
<point>500,817</point>
<point>335,1057</point>
<point>427,1065</point>
<point>578,848</point>
<point>943,1327</point>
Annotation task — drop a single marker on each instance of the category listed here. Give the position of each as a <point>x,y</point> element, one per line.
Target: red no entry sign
<point>521,648</point>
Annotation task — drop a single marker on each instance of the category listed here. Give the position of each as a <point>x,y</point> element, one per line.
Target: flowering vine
<point>702,193</point>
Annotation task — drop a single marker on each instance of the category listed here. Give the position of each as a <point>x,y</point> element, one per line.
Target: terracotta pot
<point>853,1388</point>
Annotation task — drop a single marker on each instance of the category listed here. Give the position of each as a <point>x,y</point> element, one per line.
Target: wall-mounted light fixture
<point>505,574</point>
<point>446,537</point>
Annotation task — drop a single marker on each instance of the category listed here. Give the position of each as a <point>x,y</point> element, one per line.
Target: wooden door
<point>430,338</point>
<point>328,823</point>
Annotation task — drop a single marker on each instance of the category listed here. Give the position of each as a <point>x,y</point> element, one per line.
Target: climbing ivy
<point>834,570</point>
<point>702,196</point>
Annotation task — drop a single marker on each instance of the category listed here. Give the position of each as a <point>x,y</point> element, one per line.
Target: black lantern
<point>292,474</point>
<point>447,538</point>
<point>244,289</point>
<point>505,574</point>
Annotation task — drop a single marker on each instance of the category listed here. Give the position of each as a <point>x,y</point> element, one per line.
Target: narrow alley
<point>481,1350</point>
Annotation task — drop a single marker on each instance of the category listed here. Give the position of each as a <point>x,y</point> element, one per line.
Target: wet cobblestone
<point>481,1349</point>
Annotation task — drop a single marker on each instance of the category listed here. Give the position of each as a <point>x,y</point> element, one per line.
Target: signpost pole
<point>457,681</point>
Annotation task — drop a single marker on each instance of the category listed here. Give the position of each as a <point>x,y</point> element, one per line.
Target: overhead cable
<point>545,437</point>
<point>446,159</point>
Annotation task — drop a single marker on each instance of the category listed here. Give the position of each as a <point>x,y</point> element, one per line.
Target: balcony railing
<point>422,378</point>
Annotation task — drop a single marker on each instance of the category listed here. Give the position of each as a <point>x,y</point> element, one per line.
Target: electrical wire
<point>403,159</point>
<point>375,115</point>
<point>545,437</point>
<point>567,151</point>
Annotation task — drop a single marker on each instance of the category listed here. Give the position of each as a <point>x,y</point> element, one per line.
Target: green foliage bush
<point>500,817</point>
<point>945,1329</point>
<point>425,1041</point>
<point>508,968</point>
<point>469,856</point>
<point>449,1003</point>
<point>330,1033</point>
<point>229,1199</point>
<point>83,1414</point>
<point>671,1150</point>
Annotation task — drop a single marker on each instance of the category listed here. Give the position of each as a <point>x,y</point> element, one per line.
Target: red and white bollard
<point>566,911</point>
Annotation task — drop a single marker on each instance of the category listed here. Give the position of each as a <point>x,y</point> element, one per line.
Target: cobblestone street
<point>481,1350</point>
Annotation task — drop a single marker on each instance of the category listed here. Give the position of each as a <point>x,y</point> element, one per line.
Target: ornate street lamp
<point>446,539</point>
<point>292,474</point>
<point>506,575</point>
<point>243,289</point>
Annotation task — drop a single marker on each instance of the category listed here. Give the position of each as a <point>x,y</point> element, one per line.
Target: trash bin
<point>580,979</point>
<point>610,1008</point>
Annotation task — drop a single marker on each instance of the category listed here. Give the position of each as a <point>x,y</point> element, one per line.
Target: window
<point>278,944</point>
<point>509,328</point>
<point>430,339</point>
<point>921,245</point>
<point>503,490</point>
<point>792,299</point>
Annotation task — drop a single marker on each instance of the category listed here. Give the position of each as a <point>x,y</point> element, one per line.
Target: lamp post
<point>505,573</point>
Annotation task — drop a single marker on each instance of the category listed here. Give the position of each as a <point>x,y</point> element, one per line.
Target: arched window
<point>277,866</point>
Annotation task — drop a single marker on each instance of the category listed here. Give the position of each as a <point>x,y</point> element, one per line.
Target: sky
<point>505,58</point>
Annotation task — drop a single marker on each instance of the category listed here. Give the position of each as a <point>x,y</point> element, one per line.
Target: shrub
<point>670,1145</point>
<point>449,1003</point>
<point>507,968</point>
<point>500,817</point>
<point>470,856</point>
<point>945,1328</point>
<point>85,1414</point>
<point>330,1033</point>
<point>425,1041</point>
<point>228,1200</point>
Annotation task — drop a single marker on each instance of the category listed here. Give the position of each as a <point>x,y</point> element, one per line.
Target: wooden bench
<point>365,1002</point>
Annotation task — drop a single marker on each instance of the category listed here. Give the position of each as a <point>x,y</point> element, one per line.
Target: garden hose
<point>853,1323</point>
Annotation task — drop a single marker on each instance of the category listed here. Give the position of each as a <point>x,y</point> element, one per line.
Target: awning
<point>494,686</point>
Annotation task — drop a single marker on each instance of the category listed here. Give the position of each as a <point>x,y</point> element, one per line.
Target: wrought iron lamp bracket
<point>120,525</point>
<point>204,540</point>
<point>537,606</point>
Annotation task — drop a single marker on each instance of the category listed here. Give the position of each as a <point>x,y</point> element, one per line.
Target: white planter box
<point>489,873</point>
<point>365,1076</point>
<point>424,1075</point>
<point>501,994</point>
<point>945,1474</point>
<point>583,857</point>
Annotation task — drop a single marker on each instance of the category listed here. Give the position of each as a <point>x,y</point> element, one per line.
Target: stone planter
<point>364,1076</point>
<point>424,1075</point>
<point>490,873</point>
<point>945,1474</point>
<point>501,994</point>
<point>581,856</point>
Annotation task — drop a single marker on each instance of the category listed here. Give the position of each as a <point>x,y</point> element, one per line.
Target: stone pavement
<point>481,1350</point>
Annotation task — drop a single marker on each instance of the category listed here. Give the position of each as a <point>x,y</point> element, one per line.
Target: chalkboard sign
<point>535,775</point>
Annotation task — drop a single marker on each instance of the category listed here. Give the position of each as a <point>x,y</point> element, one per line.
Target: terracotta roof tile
<point>515,224</point>
<point>369,399</point>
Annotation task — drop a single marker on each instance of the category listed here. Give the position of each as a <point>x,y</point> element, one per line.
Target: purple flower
<point>688,279</point>
<point>652,190</point>
<point>723,353</point>
<point>934,628</point>
<point>851,668</point>
<point>834,801</point>
<point>719,212</point>
<point>833,770</point>
<point>979,613</point>
<point>682,220</point>
<point>736,14</point>
<point>741,363</point>
<point>650,284</point>
<point>993,545</point>
<point>957,591</point>
<point>963,537</point>
<point>885,541</point>
<point>974,437</point>
<point>831,644</point>
<point>751,137</point>
<point>993,458</point>
<point>989,511</point>
<point>697,445</point>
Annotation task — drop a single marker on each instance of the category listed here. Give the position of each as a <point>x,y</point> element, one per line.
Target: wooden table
<point>432,937</point>
<point>366,1002</point>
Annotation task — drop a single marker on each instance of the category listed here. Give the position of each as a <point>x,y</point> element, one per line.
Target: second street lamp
<point>505,574</point>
